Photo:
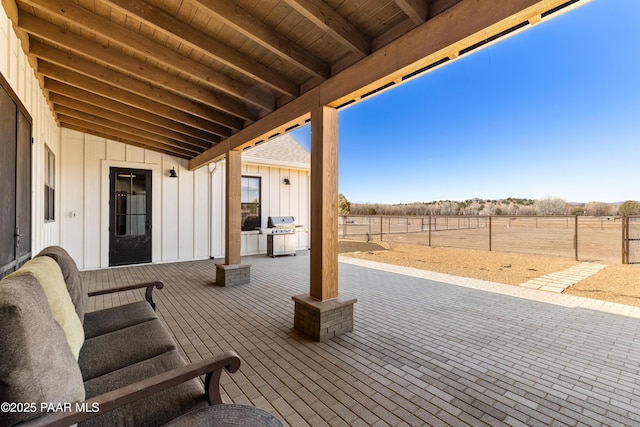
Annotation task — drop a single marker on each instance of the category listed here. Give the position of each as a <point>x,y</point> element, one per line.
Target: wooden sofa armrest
<point>109,401</point>
<point>148,293</point>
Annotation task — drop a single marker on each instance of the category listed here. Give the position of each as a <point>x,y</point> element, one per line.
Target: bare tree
<point>599,209</point>
<point>527,210</point>
<point>449,208</point>
<point>551,206</point>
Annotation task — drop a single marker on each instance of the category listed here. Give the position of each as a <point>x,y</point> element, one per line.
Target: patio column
<point>233,271</point>
<point>324,313</point>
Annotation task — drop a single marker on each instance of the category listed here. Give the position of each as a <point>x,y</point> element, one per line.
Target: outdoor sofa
<point>60,365</point>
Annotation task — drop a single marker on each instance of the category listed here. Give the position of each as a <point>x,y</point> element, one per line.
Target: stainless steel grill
<point>281,235</point>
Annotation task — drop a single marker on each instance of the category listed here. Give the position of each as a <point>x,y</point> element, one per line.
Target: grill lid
<point>281,221</point>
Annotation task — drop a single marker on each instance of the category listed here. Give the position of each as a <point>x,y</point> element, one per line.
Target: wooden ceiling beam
<point>333,24</point>
<point>120,128</point>
<point>74,68</point>
<point>173,27</point>
<point>438,6</point>
<point>392,34</point>
<point>161,80</point>
<point>134,92</point>
<point>205,75</point>
<point>287,117</point>
<point>466,24</point>
<point>244,23</point>
<point>120,95</point>
<point>64,104</point>
<point>54,87</point>
<point>92,129</point>
<point>416,10</point>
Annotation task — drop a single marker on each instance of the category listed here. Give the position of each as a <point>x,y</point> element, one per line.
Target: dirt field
<point>598,240</point>
<point>616,283</point>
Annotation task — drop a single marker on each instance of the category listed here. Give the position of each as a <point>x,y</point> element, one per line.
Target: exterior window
<point>49,185</point>
<point>250,200</point>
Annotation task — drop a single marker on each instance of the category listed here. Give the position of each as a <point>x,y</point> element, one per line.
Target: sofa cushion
<point>72,279</point>
<point>109,352</point>
<point>111,319</point>
<point>49,275</point>
<point>151,411</point>
<point>36,363</point>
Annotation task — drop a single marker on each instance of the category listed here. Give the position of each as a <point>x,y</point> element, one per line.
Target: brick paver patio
<point>427,348</point>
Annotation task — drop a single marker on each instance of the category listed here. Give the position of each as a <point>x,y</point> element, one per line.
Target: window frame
<point>257,222</point>
<point>49,185</point>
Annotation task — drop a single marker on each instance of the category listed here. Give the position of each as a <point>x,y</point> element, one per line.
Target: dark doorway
<point>129,216</point>
<point>15,182</point>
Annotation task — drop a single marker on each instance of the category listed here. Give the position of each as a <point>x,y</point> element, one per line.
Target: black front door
<point>130,216</point>
<point>15,182</point>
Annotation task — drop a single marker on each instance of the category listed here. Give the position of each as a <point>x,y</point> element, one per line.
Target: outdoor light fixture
<point>287,182</point>
<point>172,173</point>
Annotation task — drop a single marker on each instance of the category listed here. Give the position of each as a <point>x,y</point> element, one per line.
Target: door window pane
<point>131,208</point>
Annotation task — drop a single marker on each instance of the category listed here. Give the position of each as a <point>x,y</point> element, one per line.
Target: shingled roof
<point>284,150</point>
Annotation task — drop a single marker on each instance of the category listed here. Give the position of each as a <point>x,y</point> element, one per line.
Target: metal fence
<point>631,239</point>
<point>581,237</point>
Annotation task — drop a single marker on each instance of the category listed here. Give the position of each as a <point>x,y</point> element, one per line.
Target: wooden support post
<point>233,272</point>
<point>232,208</point>
<point>323,313</point>
<point>324,204</point>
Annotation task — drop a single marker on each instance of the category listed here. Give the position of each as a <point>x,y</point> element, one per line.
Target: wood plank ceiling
<point>181,76</point>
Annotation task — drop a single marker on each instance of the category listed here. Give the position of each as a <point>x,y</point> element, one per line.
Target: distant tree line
<point>476,206</point>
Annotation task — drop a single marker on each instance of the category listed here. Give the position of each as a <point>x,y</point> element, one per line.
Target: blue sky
<point>553,111</point>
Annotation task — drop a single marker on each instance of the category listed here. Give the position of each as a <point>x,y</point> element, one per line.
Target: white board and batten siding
<point>187,212</point>
<point>277,199</point>
<point>15,69</point>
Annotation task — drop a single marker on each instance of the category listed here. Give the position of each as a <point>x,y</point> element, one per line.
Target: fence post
<point>489,233</point>
<point>576,237</point>
<point>407,225</point>
<point>344,226</point>
<point>625,240</point>
<point>429,230</point>
<point>381,228</point>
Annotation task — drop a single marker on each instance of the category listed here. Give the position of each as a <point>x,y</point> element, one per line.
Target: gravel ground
<point>616,283</point>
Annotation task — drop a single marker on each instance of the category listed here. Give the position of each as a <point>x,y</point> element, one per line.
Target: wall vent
<point>493,38</point>
<point>345,104</point>
<point>383,87</point>
<point>425,69</point>
<point>557,8</point>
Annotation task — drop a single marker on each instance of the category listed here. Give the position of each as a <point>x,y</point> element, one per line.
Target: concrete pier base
<point>323,320</point>
<point>234,274</point>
